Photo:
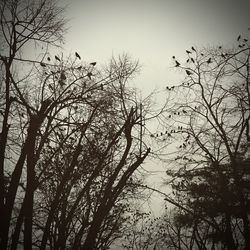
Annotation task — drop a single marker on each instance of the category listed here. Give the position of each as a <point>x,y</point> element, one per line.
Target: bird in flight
<point>177,63</point>
<point>77,55</point>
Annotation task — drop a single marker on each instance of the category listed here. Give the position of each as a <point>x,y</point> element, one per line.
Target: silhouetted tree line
<point>73,136</point>
<point>207,126</point>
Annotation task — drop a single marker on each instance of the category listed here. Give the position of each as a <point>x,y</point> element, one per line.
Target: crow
<point>62,76</point>
<point>42,64</point>
<point>193,48</point>
<point>177,64</point>
<point>77,55</point>
<point>48,58</point>
<point>188,72</point>
<point>89,75</point>
<point>209,60</point>
<point>57,58</point>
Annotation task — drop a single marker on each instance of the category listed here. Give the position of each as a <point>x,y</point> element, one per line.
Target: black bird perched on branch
<point>42,64</point>
<point>209,60</point>
<point>189,52</point>
<point>192,59</point>
<point>93,63</point>
<point>193,48</point>
<point>188,72</point>
<point>77,55</point>
<point>89,75</point>
<point>57,58</point>
<point>48,58</point>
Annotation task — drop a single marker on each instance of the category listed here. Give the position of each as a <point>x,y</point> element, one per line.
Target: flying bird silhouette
<point>177,64</point>
<point>77,55</point>
<point>57,58</point>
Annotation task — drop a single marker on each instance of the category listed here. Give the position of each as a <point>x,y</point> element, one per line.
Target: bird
<point>77,55</point>
<point>93,63</point>
<point>48,58</point>
<point>62,76</point>
<point>202,54</point>
<point>238,37</point>
<point>173,57</point>
<point>220,47</point>
<point>193,48</point>
<point>89,75</point>
<point>177,64</point>
<point>57,58</point>
<point>61,82</point>
<point>80,67</point>
<point>245,40</point>
<point>188,72</point>
<point>192,59</point>
<point>42,64</point>
<point>187,60</point>
<point>209,60</point>
<point>189,52</point>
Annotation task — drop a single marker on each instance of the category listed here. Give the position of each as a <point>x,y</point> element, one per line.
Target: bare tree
<point>210,117</point>
<point>72,137</point>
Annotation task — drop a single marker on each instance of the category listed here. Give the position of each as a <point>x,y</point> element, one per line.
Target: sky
<point>152,31</point>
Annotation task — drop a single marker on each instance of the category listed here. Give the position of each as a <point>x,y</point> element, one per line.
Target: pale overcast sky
<point>152,31</point>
